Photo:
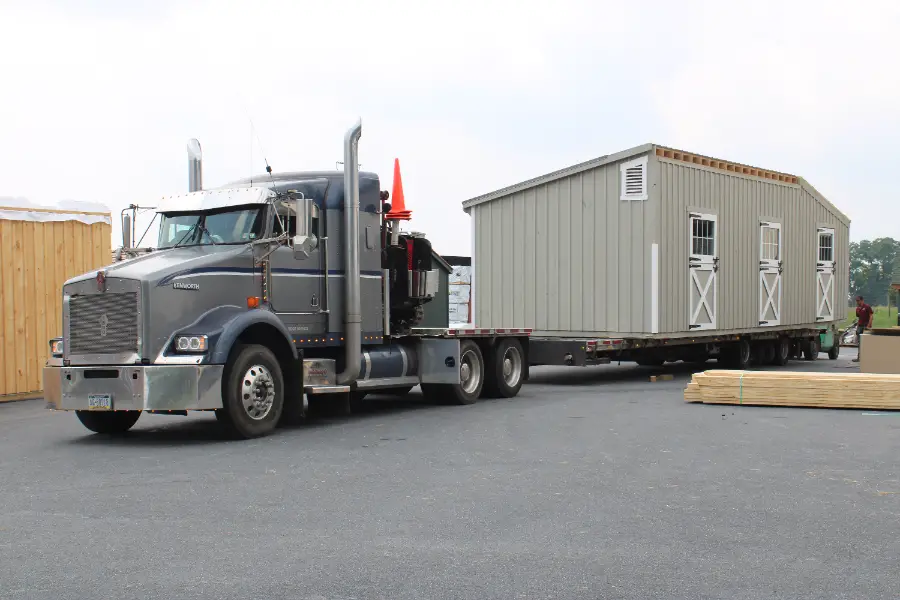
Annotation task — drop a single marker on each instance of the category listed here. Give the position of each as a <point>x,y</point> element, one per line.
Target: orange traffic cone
<point>398,210</point>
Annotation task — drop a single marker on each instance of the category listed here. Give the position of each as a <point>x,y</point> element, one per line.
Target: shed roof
<point>443,263</point>
<point>17,208</point>
<point>664,153</point>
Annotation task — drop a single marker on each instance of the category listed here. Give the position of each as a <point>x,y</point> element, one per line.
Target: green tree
<point>871,267</point>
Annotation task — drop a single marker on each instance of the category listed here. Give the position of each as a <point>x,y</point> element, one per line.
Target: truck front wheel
<point>252,392</point>
<point>114,422</point>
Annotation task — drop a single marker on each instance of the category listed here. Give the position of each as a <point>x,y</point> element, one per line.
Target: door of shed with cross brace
<point>703,265</point>
<point>770,269</point>
<point>825,275</point>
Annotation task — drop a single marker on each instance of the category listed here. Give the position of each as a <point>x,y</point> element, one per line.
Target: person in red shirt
<point>863,320</point>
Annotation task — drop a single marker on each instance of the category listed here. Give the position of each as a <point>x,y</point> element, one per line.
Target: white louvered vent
<point>634,179</point>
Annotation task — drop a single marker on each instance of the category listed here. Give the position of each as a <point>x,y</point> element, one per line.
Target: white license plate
<point>100,401</point>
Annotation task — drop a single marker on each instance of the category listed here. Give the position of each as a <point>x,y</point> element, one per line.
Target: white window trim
<point>638,162</point>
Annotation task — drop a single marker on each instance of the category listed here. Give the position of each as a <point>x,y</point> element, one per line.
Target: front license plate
<point>100,402</point>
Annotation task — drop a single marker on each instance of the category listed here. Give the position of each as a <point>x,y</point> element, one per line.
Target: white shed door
<point>770,267</point>
<point>825,275</point>
<point>703,266</point>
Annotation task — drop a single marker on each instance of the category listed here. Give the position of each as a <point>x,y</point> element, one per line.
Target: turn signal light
<point>252,301</point>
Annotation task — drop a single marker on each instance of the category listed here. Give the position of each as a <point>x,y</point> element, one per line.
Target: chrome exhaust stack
<point>352,306</point>
<point>195,166</point>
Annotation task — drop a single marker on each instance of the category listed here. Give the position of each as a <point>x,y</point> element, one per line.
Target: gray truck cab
<point>261,298</point>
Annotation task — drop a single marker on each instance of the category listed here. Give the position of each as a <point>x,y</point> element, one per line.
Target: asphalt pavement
<point>592,483</point>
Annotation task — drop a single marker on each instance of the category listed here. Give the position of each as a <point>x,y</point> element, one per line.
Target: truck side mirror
<point>305,241</point>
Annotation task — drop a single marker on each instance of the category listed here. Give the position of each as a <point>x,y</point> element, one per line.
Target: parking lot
<point>592,483</point>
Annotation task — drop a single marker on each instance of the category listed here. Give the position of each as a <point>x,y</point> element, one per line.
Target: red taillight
<point>409,254</point>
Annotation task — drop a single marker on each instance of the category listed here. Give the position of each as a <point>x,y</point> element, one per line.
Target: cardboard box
<point>459,293</point>
<point>879,354</point>
<point>459,313</point>
<point>461,275</point>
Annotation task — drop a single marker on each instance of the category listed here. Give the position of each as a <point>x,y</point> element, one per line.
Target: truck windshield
<point>233,226</point>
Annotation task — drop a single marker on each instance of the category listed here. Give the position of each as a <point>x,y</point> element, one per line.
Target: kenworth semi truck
<point>265,299</point>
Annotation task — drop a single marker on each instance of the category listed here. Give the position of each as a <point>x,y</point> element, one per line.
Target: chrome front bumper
<point>164,387</point>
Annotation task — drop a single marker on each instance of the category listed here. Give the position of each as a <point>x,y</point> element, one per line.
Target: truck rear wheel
<point>505,369</point>
<point>113,422</point>
<point>252,392</point>
<point>471,378</point>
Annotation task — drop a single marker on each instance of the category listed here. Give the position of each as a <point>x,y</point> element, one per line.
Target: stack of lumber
<point>785,388</point>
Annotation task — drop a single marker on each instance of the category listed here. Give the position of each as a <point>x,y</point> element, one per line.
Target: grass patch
<point>883,316</point>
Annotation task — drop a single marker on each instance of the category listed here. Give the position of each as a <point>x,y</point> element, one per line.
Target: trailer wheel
<point>834,351</point>
<point>739,355</point>
<point>505,370</point>
<point>110,423</point>
<point>782,351</point>
<point>811,349</point>
<point>471,378</point>
<point>252,392</point>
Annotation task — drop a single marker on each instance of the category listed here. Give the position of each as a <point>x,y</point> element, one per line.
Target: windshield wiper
<point>208,234</point>
<point>189,232</point>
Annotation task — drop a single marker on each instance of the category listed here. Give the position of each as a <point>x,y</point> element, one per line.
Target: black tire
<point>109,423</point>
<point>811,349</point>
<point>739,355</point>
<point>782,352</point>
<point>504,369</point>
<point>245,380</point>
<point>835,350</point>
<point>469,390</point>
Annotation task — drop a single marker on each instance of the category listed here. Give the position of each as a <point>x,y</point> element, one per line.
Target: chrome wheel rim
<point>512,366</point>
<point>469,372</point>
<point>257,392</point>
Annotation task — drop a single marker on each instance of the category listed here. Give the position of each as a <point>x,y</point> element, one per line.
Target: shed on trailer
<point>656,242</point>
<point>41,246</point>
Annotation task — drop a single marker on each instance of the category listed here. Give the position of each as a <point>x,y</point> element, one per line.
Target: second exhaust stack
<point>195,166</point>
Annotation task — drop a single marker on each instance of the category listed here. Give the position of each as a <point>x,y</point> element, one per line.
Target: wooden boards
<point>788,388</point>
<point>36,258</point>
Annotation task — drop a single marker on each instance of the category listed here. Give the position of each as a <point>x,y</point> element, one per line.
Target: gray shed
<point>657,242</point>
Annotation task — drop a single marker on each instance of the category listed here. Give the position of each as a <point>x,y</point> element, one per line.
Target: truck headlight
<point>56,347</point>
<point>191,343</point>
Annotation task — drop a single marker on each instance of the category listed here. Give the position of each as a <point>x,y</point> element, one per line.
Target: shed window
<point>634,179</point>
<point>770,245</point>
<point>826,247</point>
<point>703,237</point>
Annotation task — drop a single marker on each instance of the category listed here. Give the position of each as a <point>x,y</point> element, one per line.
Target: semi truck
<point>267,299</point>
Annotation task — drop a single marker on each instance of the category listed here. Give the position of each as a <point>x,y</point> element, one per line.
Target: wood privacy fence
<point>39,250</point>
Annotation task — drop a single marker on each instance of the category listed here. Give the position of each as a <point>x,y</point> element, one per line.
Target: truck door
<point>825,275</point>
<point>703,267</point>
<point>770,268</point>
<point>296,286</point>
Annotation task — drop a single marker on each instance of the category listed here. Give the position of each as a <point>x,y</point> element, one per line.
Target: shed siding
<point>565,256</point>
<point>740,203</point>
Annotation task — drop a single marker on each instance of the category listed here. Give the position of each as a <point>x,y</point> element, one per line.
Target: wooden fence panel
<point>36,258</point>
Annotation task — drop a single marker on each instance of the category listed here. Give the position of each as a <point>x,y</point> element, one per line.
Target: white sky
<point>99,97</point>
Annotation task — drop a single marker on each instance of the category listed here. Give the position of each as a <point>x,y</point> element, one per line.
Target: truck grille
<point>103,324</point>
